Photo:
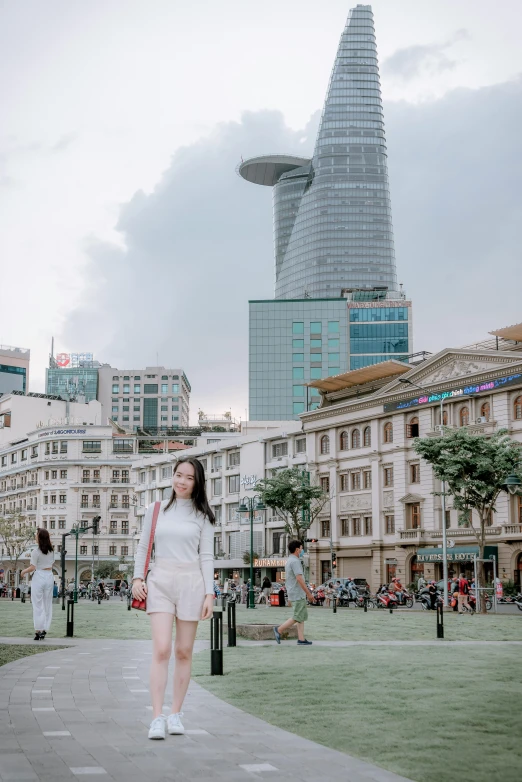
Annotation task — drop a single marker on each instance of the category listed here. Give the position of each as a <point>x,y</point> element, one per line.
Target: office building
<point>153,398</point>
<point>14,369</point>
<point>333,239</point>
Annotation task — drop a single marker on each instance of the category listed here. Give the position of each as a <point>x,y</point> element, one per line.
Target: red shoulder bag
<point>141,605</point>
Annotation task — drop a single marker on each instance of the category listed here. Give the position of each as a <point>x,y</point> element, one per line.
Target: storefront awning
<point>457,554</point>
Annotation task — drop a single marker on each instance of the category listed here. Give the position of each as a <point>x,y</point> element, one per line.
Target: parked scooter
<point>424,598</point>
<point>387,600</point>
<point>518,601</point>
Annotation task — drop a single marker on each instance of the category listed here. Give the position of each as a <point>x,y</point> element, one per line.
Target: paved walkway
<point>82,712</point>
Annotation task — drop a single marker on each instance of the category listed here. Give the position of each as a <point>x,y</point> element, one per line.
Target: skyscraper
<point>332,214</point>
<point>333,239</point>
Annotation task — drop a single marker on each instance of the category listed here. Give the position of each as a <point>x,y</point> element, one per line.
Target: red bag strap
<point>155,515</point>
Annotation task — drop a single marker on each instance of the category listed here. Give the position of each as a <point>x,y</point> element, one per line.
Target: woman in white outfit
<point>180,585</point>
<point>42,560</point>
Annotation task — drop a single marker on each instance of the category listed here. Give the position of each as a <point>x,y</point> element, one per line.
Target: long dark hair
<point>199,492</point>
<point>44,541</point>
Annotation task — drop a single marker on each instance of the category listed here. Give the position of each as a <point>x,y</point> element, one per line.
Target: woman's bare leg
<point>183,646</point>
<point>161,627</point>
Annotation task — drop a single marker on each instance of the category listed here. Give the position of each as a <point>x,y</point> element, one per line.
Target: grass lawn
<point>112,620</point>
<point>11,652</point>
<point>433,715</point>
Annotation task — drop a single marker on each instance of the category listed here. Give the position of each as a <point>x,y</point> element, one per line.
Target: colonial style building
<point>384,517</point>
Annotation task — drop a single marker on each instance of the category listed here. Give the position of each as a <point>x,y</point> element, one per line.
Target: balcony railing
<point>512,530</point>
<point>124,505</point>
<point>120,480</point>
<point>90,505</point>
<point>463,532</point>
<point>412,534</point>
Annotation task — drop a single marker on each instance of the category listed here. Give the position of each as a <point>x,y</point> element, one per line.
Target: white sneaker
<point>174,724</point>
<point>157,728</point>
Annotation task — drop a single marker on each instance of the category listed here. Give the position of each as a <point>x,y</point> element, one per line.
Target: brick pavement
<point>82,713</point>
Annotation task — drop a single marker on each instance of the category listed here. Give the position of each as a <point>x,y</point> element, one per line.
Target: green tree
<point>295,501</point>
<point>107,569</point>
<point>475,468</point>
<point>16,533</point>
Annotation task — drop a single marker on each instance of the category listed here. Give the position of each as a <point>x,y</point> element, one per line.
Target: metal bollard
<point>440,620</point>
<point>334,605</point>
<point>231,620</point>
<point>216,644</point>
<point>70,618</point>
<point>365,605</point>
<point>223,601</point>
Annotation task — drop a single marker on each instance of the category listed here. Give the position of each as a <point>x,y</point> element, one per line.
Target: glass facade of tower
<point>72,382</point>
<point>291,343</point>
<point>379,331</point>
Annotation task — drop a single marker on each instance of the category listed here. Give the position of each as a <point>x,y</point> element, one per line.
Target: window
<point>217,462</point>
<point>333,326</point>
<point>316,358</point>
<point>298,328</point>
<point>95,500</point>
<point>94,549</point>
<point>316,327</point>
<point>63,446</point>
<point>325,484</point>
<point>175,388</point>
<point>343,482</point>
<point>24,455</point>
<point>367,479</point>
<point>356,438</point>
<point>113,528</point>
<point>164,388</point>
<point>13,458</point>
<point>415,517</point>
<point>343,441</point>
<point>333,344</point>
<point>115,409</point>
<point>389,525</point>
<point>414,473</point>
<point>277,540</point>
<point>316,373</point>
<point>325,528</point>
<point>92,446</point>
<point>345,527</point>
<point>296,357</point>
<point>126,388</point>
<point>52,524</point>
<point>63,499</point>
<point>298,373</point>
<point>448,519</point>
<point>412,428</point>
<point>388,476</point>
<point>232,511</point>
<point>233,484</point>
<point>444,417</point>
<point>150,388</point>
<point>112,550</point>
<point>120,445</point>
<point>300,445</point>
<point>518,408</point>
<point>47,474</point>
<point>316,343</point>
<point>125,503</point>
<point>115,389</point>
<point>325,444</point>
<point>34,451</point>
<point>83,551</point>
<point>298,390</point>
<point>298,343</point>
<point>218,513</point>
<point>47,449</point>
<point>356,526</point>
<point>217,487</point>
<point>279,449</point>
<point>61,523</point>
<point>367,437</point>
<point>333,371</point>
<point>333,359</point>
<point>53,499</point>
<point>356,481</point>
<point>464,416</point>
<point>298,408</point>
<point>63,473</point>
<point>84,501</point>
<point>367,525</point>
<point>388,432</point>
<point>125,409</point>
<point>234,459</point>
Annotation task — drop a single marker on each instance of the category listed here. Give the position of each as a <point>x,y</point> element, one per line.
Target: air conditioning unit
<point>481,420</point>
<point>439,428</point>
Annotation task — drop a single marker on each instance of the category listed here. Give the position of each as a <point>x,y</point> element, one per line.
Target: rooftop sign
<point>426,399</point>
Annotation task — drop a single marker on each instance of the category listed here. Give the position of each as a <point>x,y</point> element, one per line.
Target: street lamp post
<point>444,531</point>
<point>250,505</point>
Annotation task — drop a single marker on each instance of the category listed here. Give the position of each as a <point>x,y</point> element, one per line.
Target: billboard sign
<point>72,360</point>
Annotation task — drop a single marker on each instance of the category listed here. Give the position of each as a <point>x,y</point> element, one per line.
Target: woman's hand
<point>24,573</point>
<point>139,589</point>
<point>208,607</point>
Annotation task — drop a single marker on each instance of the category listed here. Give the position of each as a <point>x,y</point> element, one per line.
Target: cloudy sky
<point>125,229</point>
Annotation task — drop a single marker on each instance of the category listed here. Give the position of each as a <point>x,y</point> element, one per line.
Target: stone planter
<point>260,632</point>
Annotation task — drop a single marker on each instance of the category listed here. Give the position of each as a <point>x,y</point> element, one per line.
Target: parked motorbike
<point>472,600</point>
<point>424,598</point>
<point>518,601</point>
<point>386,600</point>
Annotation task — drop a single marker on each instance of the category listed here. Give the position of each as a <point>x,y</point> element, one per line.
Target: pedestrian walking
<point>180,585</point>
<point>42,560</point>
<point>463,594</point>
<point>421,583</point>
<point>244,592</point>
<point>267,588</point>
<point>297,592</point>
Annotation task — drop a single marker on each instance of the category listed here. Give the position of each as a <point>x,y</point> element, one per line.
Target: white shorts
<point>176,588</point>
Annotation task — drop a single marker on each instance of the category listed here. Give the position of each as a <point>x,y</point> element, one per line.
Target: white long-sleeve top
<point>182,535</point>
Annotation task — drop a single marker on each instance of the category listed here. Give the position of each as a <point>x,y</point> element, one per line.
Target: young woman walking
<point>180,585</point>
<point>42,560</point>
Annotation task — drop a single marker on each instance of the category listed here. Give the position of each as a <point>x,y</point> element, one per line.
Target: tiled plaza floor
<point>83,712</point>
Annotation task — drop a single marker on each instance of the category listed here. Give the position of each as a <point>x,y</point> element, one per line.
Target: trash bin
<point>281,595</point>
<point>17,594</point>
<point>274,599</point>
